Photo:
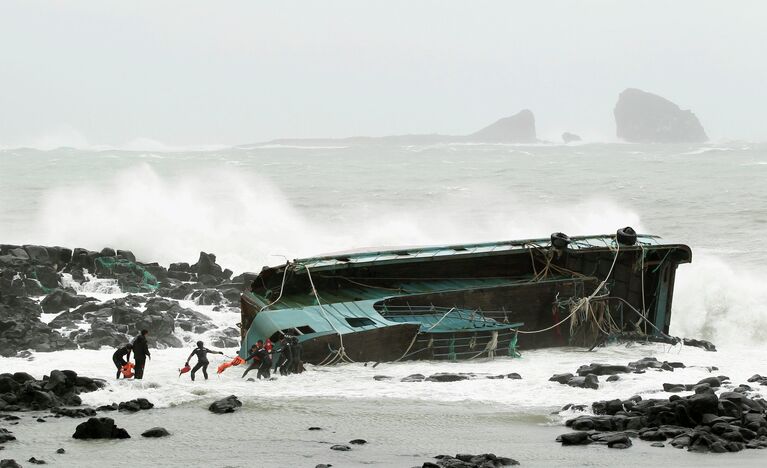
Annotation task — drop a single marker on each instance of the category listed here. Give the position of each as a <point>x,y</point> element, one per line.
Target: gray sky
<point>200,72</point>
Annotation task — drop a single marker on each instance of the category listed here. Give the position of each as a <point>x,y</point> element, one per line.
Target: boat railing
<point>472,315</point>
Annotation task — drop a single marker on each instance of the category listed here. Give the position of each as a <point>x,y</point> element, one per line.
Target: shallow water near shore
<point>404,423</point>
<point>400,433</point>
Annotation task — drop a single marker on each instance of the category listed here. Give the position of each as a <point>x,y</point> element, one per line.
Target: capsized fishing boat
<point>465,301</point>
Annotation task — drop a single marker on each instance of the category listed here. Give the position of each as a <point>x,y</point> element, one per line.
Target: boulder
<point>519,128</point>
<point>99,428</point>
<point>587,381</point>
<point>225,405</point>
<point>561,378</point>
<point>414,378</point>
<point>602,369</point>
<point>59,300</point>
<point>642,117</point>
<point>446,377</point>
<point>208,297</point>
<point>155,432</point>
<point>135,405</point>
<point>340,448</point>
<point>574,438</point>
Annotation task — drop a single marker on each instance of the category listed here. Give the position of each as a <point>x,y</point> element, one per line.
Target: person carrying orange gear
<point>121,358</point>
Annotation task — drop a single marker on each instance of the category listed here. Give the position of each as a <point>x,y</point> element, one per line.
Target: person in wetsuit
<point>255,363</point>
<point>286,356</point>
<point>140,352</point>
<point>121,357</point>
<point>261,359</point>
<point>297,348</point>
<point>202,359</point>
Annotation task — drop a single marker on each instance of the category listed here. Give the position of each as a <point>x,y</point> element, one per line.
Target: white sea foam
<point>164,387</point>
<point>245,219</point>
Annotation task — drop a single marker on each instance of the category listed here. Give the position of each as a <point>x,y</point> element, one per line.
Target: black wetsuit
<point>286,357</point>
<point>140,352</point>
<point>262,361</point>
<point>253,364</point>
<point>202,361</point>
<point>297,349</point>
<point>120,358</point>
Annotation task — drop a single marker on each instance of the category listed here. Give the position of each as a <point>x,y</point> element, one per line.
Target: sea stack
<point>642,117</point>
<point>519,128</point>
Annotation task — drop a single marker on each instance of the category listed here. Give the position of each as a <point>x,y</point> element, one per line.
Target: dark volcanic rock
<point>59,300</point>
<point>446,377</point>
<point>561,378</point>
<point>465,460</point>
<point>413,378</point>
<point>642,117</point>
<point>99,428</point>
<point>135,405</point>
<point>155,432</point>
<point>519,128</point>
<point>707,345</point>
<point>225,405</point>
<point>9,463</point>
<point>21,328</point>
<point>6,435</point>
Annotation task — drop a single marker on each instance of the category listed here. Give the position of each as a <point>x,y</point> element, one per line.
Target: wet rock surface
<point>99,428</point>
<point>225,405</point>
<point>21,392</point>
<point>464,460</point>
<point>135,405</point>
<point>37,271</point>
<point>155,432</point>
<point>702,422</point>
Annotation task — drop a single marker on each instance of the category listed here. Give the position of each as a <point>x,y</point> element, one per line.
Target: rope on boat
<point>282,287</point>
<point>441,318</point>
<point>585,301</point>
<point>341,353</point>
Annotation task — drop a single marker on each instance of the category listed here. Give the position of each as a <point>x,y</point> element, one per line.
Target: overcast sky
<point>201,72</point>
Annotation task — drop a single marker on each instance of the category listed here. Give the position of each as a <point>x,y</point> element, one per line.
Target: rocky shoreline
<point>36,280</point>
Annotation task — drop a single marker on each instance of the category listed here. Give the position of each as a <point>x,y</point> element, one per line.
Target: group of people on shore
<point>289,355</point>
<point>261,357</point>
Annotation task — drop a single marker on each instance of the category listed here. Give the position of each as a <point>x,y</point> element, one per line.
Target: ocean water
<point>254,206</point>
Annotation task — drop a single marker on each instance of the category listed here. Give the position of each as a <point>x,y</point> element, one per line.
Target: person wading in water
<point>202,359</point>
<point>121,357</point>
<point>140,352</point>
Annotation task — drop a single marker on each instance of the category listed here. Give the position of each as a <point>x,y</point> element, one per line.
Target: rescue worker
<point>202,359</point>
<point>255,363</point>
<point>121,357</point>
<point>286,355</point>
<point>140,352</point>
<point>261,360</point>
<point>297,348</point>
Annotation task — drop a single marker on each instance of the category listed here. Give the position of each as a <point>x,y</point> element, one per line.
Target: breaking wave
<point>248,222</point>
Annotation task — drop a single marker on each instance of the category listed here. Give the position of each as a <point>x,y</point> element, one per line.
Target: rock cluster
<point>465,460</point>
<point>702,422</point>
<point>34,271</point>
<point>448,377</point>
<point>588,375</point>
<point>21,391</point>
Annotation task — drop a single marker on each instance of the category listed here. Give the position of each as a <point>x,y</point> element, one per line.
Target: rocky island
<point>642,117</point>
